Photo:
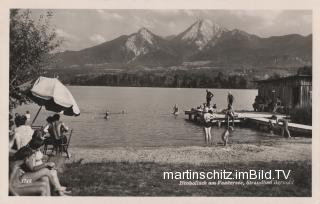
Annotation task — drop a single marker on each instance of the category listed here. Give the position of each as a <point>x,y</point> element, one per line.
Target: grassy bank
<point>139,171</point>
<point>146,179</point>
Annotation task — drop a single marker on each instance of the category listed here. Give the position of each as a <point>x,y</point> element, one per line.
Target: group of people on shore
<point>208,117</point>
<point>272,105</point>
<point>30,171</point>
<point>230,115</point>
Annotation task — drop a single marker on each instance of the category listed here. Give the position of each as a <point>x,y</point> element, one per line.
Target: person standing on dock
<point>230,115</point>
<point>230,98</point>
<point>207,117</point>
<point>209,97</point>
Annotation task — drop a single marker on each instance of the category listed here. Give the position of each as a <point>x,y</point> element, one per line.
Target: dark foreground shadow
<point>146,179</point>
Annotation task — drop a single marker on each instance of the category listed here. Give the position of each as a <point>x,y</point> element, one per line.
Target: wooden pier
<point>257,118</point>
<point>293,127</point>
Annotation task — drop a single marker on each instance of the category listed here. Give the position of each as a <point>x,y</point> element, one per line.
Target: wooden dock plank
<point>240,115</point>
<point>257,117</point>
<point>292,126</point>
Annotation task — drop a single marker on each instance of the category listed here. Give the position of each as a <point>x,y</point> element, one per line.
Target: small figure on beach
<point>208,117</point>
<point>209,96</point>
<point>230,98</point>
<point>175,110</point>
<point>225,135</point>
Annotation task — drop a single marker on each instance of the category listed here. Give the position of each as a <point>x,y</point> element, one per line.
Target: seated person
<point>58,129</point>
<point>49,138</point>
<point>23,132</point>
<point>18,187</point>
<point>32,169</point>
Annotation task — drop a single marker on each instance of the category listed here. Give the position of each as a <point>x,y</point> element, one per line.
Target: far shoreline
<point>73,85</point>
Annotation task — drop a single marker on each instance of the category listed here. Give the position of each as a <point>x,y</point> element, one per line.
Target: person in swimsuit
<point>284,127</point>
<point>226,134</point>
<point>32,169</point>
<point>209,96</point>
<point>107,115</point>
<point>207,117</point>
<point>230,115</point>
<point>58,130</point>
<point>175,109</point>
<point>230,98</point>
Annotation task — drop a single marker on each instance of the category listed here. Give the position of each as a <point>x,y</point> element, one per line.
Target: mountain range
<point>202,41</point>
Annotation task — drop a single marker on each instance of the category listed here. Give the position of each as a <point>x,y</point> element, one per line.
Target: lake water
<point>148,121</point>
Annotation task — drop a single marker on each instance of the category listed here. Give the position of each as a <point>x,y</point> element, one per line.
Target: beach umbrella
<point>54,96</point>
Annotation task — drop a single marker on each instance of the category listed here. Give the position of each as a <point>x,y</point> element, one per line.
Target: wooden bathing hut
<point>292,91</point>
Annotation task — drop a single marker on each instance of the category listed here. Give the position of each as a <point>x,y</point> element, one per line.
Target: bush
<point>302,115</point>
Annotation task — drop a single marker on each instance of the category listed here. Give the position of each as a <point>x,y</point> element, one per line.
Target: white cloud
<point>267,17</point>
<point>65,35</point>
<point>107,15</point>
<point>97,38</point>
<point>117,16</point>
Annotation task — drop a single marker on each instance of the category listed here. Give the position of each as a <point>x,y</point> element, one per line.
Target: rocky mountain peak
<point>202,32</point>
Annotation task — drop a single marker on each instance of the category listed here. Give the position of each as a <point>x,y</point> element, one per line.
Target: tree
<point>30,45</point>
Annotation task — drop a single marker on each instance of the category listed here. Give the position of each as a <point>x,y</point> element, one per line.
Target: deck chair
<point>48,145</point>
<point>63,148</point>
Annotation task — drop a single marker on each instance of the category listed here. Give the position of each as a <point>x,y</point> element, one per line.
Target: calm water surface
<point>148,121</point>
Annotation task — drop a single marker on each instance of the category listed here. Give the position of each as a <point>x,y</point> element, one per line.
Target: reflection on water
<point>148,121</point>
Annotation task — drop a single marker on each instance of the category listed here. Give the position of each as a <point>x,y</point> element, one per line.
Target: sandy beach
<point>292,149</point>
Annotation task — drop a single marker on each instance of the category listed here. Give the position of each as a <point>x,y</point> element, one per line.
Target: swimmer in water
<point>175,109</point>
<point>107,116</point>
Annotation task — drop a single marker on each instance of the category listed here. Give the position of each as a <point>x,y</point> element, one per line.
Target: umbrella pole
<point>36,115</point>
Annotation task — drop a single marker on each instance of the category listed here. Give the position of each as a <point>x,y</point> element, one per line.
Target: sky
<point>81,29</point>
